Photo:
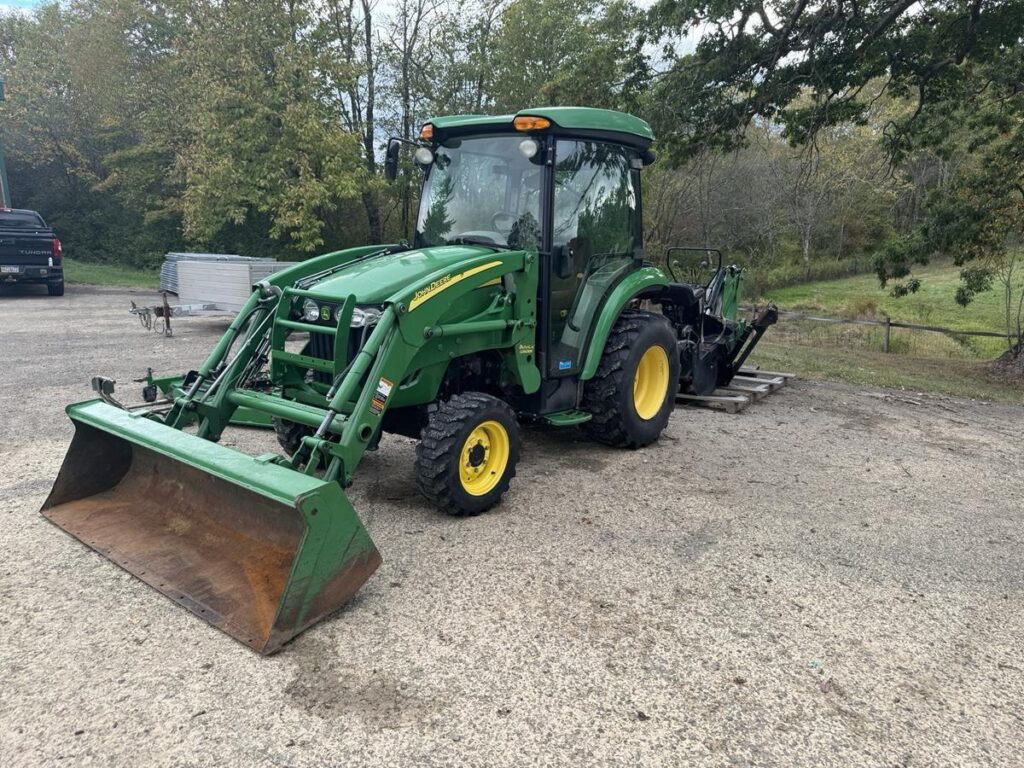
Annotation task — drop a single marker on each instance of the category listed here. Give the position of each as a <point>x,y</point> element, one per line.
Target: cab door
<point>596,232</point>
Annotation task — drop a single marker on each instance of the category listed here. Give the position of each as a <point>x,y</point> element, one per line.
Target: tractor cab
<point>564,182</point>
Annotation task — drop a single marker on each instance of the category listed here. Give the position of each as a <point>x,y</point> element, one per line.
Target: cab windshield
<point>483,190</point>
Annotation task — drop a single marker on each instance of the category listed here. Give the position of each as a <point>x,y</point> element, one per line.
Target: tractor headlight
<point>310,311</point>
<point>364,316</point>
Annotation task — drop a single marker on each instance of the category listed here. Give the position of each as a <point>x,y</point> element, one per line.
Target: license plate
<point>9,270</point>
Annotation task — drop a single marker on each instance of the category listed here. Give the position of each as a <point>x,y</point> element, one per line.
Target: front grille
<point>321,345</point>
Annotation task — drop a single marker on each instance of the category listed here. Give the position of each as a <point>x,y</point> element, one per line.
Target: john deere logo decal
<point>430,291</point>
<point>325,313</point>
<point>423,293</point>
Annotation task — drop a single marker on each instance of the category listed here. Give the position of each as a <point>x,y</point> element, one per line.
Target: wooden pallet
<point>749,385</point>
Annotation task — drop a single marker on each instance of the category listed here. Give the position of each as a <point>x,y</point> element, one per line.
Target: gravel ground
<point>833,577</point>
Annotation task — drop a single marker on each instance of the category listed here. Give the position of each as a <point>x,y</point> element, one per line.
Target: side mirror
<point>391,160</point>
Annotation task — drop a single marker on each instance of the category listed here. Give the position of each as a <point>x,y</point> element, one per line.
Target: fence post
<point>888,330</point>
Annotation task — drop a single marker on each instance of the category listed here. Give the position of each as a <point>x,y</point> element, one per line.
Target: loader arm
<point>410,323</point>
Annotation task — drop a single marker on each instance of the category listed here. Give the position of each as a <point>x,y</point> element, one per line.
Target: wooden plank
<point>753,385</point>
<point>773,383</point>
<point>756,391</point>
<point>730,402</point>
<point>749,371</point>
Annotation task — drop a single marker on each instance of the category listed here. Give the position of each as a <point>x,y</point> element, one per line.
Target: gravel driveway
<point>833,577</point>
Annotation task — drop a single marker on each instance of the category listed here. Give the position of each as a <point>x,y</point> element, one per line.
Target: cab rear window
<point>26,219</point>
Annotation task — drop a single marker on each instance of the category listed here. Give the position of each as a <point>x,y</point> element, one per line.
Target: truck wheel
<point>467,453</point>
<point>634,390</point>
<point>290,434</point>
<point>56,288</point>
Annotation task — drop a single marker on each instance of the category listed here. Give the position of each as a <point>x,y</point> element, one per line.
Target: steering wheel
<point>498,218</point>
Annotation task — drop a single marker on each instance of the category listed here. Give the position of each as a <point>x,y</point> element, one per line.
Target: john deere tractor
<point>525,296</point>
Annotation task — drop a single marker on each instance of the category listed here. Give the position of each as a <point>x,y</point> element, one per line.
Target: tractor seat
<point>688,297</point>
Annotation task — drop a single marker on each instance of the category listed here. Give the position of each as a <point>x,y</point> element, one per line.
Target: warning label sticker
<point>381,395</point>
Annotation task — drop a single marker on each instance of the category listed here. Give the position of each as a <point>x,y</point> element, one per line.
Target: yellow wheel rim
<point>484,458</point>
<point>650,383</point>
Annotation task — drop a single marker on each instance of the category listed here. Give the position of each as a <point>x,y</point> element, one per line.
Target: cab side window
<point>595,201</point>
<point>593,238</point>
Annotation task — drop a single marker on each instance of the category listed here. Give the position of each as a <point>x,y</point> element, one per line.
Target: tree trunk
<point>373,222</point>
<point>806,244</point>
<point>368,125</point>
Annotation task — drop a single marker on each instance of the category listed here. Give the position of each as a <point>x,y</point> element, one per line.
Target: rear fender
<point>633,284</point>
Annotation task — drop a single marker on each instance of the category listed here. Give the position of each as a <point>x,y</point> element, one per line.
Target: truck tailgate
<point>26,248</point>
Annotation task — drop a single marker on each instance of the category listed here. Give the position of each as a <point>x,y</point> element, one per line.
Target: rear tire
<point>467,453</point>
<point>633,393</point>
<point>290,434</point>
<point>56,288</point>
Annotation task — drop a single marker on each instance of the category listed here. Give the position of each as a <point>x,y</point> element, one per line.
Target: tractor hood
<point>373,280</point>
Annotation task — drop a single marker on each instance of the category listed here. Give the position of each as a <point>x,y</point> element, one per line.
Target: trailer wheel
<point>467,453</point>
<point>290,434</point>
<point>55,288</point>
<point>634,390</point>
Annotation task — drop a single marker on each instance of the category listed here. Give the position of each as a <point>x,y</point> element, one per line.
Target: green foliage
<point>933,304</point>
<point>809,67</point>
<point>140,129</point>
<point>255,127</point>
<point>558,52</point>
<point>262,139</point>
<point>973,280</point>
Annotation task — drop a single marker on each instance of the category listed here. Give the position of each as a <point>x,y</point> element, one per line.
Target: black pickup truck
<point>29,251</point>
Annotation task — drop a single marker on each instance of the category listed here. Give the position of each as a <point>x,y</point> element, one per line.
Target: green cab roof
<point>583,121</point>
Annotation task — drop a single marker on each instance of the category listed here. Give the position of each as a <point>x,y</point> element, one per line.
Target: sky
<point>18,6</point>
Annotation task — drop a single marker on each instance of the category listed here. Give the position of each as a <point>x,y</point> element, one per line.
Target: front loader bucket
<point>256,549</point>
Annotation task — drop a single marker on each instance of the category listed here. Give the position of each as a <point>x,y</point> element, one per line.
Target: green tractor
<point>525,297</point>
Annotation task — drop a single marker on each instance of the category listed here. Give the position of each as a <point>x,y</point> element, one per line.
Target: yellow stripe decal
<point>446,282</point>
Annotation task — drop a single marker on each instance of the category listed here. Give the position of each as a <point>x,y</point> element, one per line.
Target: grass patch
<point>919,361</point>
<point>933,304</point>
<point>961,377</point>
<point>90,273</point>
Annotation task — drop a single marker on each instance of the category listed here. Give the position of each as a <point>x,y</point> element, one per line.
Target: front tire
<point>467,453</point>
<point>289,434</point>
<point>633,393</point>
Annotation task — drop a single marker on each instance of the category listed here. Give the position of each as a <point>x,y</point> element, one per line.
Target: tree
<point>84,81</point>
<point>265,149</point>
<point>809,66</point>
<point>549,52</point>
